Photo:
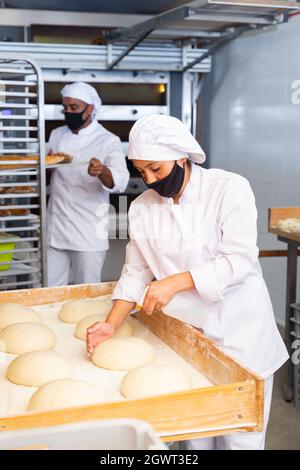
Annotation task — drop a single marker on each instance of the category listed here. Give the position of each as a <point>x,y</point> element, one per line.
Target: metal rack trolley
<point>22,134</point>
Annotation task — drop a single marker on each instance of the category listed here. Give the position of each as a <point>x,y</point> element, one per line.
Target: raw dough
<point>124,331</point>
<point>39,367</point>
<point>11,313</point>
<point>26,337</point>
<point>63,393</point>
<point>154,379</point>
<point>76,310</point>
<point>289,225</point>
<point>123,354</point>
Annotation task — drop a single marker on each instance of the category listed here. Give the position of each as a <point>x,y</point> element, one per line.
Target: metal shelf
<point>17,106</point>
<point>18,250</point>
<point>16,184</point>
<point>17,117</point>
<point>18,139</point>
<point>20,240</point>
<point>18,196</point>
<point>18,128</point>
<point>27,228</point>
<point>11,218</point>
<point>14,206</point>
<point>17,83</point>
<point>28,253</point>
<point>14,262</point>
<point>150,56</point>
<point>18,94</point>
<point>16,71</point>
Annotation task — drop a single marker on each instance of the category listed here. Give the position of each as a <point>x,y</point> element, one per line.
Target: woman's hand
<point>97,333</point>
<point>160,293</point>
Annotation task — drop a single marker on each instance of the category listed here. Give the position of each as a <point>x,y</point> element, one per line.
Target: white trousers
<point>239,441</point>
<point>85,266</point>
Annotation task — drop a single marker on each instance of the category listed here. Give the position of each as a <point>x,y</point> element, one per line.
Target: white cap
<point>84,92</point>
<point>161,138</point>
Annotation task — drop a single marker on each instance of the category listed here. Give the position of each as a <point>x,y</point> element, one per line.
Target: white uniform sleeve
<point>115,161</point>
<point>238,252</point>
<point>134,277</point>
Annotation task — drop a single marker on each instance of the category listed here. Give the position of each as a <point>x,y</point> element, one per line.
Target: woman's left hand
<point>160,293</point>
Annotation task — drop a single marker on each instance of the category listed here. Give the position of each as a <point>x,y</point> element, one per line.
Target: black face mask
<point>74,120</point>
<point>171,184</point>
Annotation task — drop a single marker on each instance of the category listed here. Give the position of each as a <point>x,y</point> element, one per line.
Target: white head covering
<point>161,138</point>
<point>84,92</point>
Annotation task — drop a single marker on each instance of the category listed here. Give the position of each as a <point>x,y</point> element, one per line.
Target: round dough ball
<point>39,367</point>
<point>26,337</point>
<point>123,354</point>
<point>76,310</point>
<point>124,331</point>
<point>63,393</point>
<point>11,313</point>
<point>154,379</point>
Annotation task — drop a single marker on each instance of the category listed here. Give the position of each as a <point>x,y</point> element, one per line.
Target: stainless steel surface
<point>210,15</point>
<point>149,56</point>
<point>28,265</point>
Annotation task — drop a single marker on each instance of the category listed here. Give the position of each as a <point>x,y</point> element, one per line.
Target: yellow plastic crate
<point>6,256</point>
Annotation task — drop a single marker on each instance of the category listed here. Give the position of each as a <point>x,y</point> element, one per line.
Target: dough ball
<point>11,313</point>
<point>26,337</point>
<point>123,354</point>
<point>124,331</point>
<point>154,379</point>
<point>289,225</point>
<point>63,393</point>
<point>39,367</point>
<point>76,310</point>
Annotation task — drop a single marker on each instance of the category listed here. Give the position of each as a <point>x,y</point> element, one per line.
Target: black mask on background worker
<point>74,120</point>
<point>171,184</point>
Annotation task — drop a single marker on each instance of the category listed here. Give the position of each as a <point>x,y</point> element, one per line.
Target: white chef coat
<point>77,215</point>
<point>212,234</point>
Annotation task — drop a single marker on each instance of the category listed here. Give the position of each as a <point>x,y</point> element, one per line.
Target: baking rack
<point>23,219</point>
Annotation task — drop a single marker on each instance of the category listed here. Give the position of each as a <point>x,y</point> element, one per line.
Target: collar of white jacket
<point>84,92</point>
<point>161,138</point>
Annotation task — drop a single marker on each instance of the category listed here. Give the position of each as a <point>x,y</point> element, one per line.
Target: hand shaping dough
<point>123,354</point>
<point>11,313</point>
<point>26,337</point>
<point>63,394</point>
<point>154,379</point>
<point>76,310</point>
<point>39,367</point>
<point>124,331</point>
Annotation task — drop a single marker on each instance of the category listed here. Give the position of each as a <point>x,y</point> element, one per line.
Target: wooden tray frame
<point>233,404</point>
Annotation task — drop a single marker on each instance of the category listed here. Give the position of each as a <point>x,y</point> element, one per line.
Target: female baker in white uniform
<point>194,232</point>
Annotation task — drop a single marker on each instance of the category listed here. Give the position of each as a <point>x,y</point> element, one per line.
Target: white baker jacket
<point>212,234</point>
<point>77,214</point>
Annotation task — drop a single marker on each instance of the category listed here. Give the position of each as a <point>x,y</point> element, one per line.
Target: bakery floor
<point>284,423</point>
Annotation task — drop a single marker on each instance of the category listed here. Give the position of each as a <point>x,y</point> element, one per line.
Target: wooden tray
<point>233,404</point>
<point>277,213</point>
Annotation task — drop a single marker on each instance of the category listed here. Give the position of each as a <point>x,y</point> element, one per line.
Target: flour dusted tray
<point>234,403</point>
